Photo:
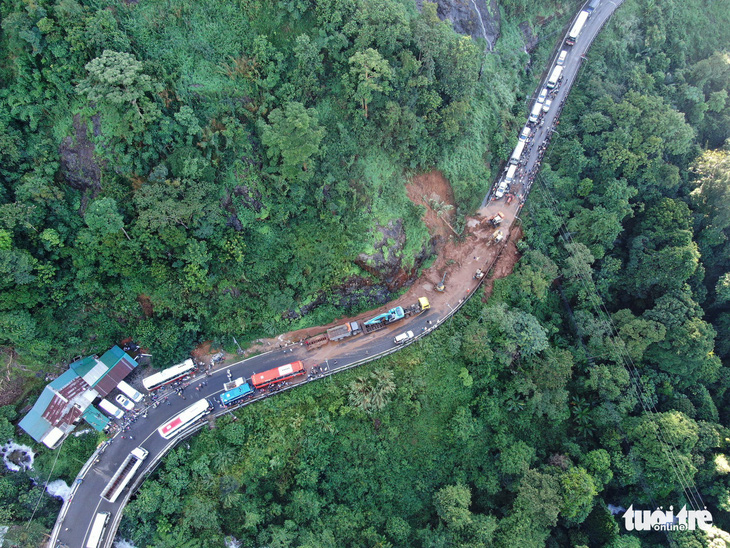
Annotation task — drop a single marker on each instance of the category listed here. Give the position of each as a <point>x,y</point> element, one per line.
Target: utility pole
<point>240,350</point>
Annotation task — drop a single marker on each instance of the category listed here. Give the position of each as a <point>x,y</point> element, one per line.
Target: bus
<point>98,529</point>
<point>186,417</point>
<point>171,374</point>
<point>232,396</point>
<point>577,27</point>
<point>278,374</point>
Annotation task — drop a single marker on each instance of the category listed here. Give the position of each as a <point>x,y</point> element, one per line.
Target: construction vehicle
<point>508,199</point>
<point>381,320</point>
<point>497,236</point>
<point>441,286</point>
<point>496,219</point>
<point>479,274</point>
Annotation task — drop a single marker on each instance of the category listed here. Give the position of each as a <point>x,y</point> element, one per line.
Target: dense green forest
<point>174,171</point>
<point>518,423</point>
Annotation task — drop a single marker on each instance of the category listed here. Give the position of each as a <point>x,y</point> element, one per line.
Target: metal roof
<point>69,397</point>
<point>95,418</point>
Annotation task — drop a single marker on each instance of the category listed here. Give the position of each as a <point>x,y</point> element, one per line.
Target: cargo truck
<point>342,331</point>
<point>517,153</point>
<point>124,475</point>
<point>510,177</point>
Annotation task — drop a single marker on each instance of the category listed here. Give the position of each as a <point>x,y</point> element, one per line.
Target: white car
<point>124,402</point>
<point>403,337</point>
<point>547,104</point>
<point>501,189</point>
<point>525,133</point>
<point>542,96</point>
<point>561,59</point>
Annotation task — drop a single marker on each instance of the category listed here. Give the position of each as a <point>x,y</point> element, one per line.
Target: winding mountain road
<point>77,514</point>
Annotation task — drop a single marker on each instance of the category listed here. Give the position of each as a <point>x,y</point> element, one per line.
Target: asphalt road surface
<point>74,521</point>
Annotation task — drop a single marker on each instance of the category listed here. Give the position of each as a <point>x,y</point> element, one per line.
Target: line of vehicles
<point>126,400</point>
<point>380,321</point>
<point>234,392</point>
<point>543,102</point>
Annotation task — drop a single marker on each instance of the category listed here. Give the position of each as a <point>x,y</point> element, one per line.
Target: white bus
<point>133,395</point>
<point>184,418</point>
<point>554,77</point>
<point>97,530</point>
<point>166,376</point>
<point>517,153</point>
<point>577,27</point>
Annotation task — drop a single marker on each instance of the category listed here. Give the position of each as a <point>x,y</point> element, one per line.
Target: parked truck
<point>381,320</point>
<point>124,474</point>
<point>343,331</point>
<point>416,308</point>
<point>517,153</point>
<point>395,314</point>
<point>555,77</point>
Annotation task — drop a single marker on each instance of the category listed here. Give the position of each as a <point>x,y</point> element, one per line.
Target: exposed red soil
<point>146,303</point>
<point>457,258</point>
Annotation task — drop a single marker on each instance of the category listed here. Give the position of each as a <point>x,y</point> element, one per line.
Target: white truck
<point>123,476</point>
<point>535,114</point>
<point>98,528</point>
<point>517,153</point>
<point>511,170</point>
<point>555,77</point>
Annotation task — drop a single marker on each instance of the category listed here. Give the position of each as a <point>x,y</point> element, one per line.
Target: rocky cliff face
<point>475,18</point>
<point>385,263</point>
<point>385,266</point>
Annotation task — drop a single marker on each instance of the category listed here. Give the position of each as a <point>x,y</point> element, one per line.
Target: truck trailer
<point>381,320</point>
<point>124,474</point>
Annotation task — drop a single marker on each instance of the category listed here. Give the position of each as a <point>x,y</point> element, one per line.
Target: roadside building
<point>68,398</point>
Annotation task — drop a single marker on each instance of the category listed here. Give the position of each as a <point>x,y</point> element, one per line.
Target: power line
<point>688,488</point>
<point>45,486</point>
